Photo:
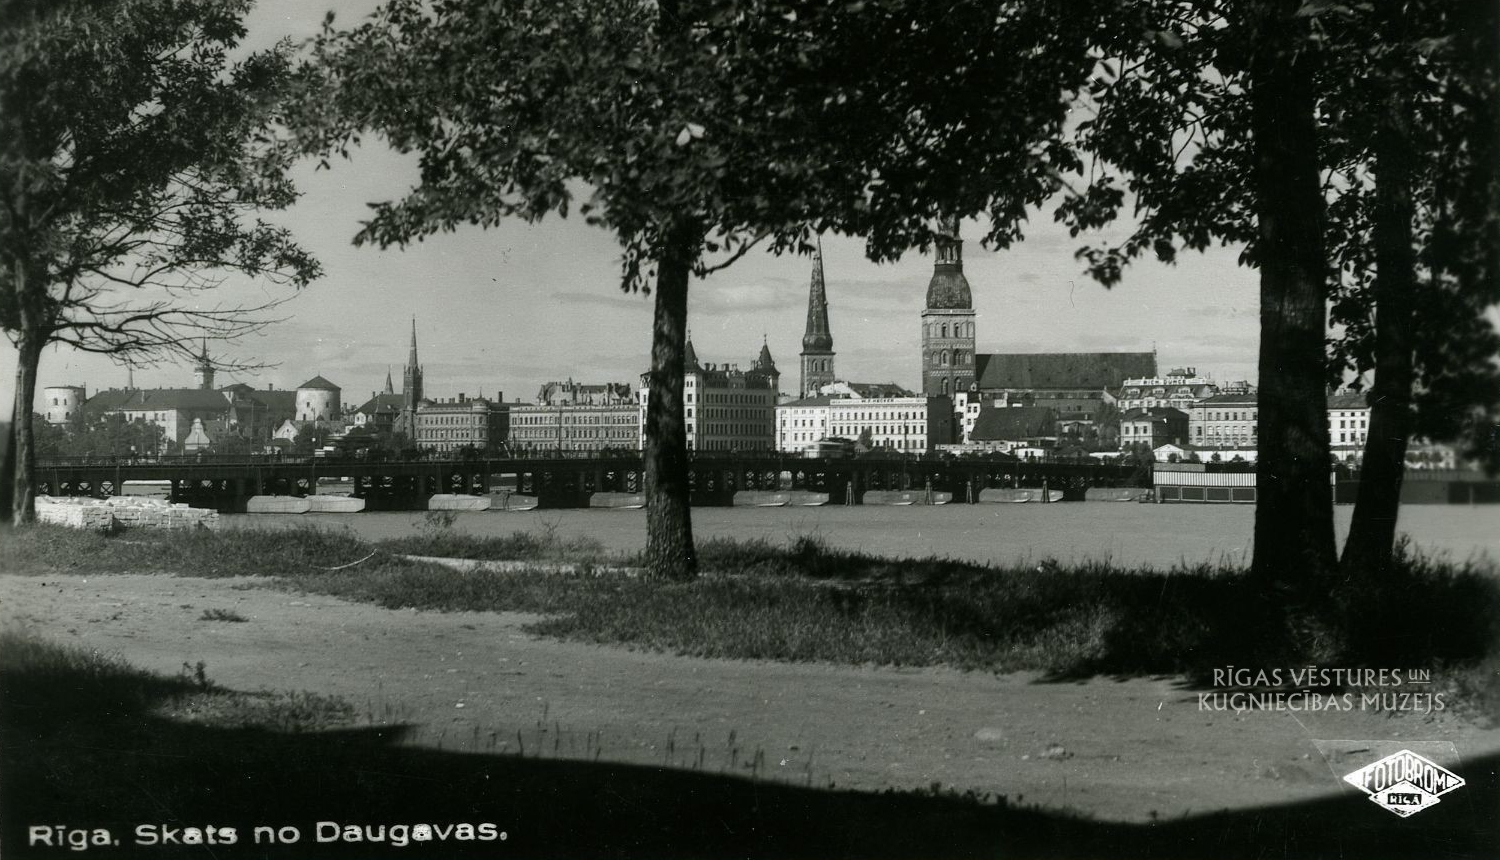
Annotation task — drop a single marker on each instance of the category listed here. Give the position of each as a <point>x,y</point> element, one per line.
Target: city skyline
<point>508,309</point>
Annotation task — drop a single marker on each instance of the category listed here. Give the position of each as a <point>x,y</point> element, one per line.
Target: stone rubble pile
<point>132,512</point>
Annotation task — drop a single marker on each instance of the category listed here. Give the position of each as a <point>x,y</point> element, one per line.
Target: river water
<point>1136,535</point>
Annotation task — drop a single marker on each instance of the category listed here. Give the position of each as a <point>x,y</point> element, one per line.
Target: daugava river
<point>1136,535</point>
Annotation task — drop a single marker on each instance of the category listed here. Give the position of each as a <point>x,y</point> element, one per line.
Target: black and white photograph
<point>768,429</point>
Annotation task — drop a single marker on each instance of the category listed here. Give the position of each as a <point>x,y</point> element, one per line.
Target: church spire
<point>390,387</point>
<point>205,369</point>
<point>818,337</point>
<point>411,387</point>
<point>817,340</point>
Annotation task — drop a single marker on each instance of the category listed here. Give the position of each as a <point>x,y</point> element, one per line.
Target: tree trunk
<point>22,447</point>
<point>1294,509</point>
<point>669,525</point>
<point>1372,535</point>
<point>8,471</point>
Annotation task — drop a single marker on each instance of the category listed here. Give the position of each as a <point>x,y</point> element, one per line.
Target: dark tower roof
<point>390,387</point>
<point>690,355</point>
<point>949,289</point>
<point>764,360</point>
<point>818,338</point>
<point>411,357</point>
<point>318,383</point>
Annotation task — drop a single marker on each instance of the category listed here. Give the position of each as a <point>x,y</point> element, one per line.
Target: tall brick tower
<point>948,319</point>
<point>817,341</point>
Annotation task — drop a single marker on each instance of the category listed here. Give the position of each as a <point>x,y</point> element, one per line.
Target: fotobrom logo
<point>1404,782</point>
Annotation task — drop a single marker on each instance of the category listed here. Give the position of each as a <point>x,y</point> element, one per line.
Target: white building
<point>1348,425</point>
<point>801,423</point>
<point>909,425</point>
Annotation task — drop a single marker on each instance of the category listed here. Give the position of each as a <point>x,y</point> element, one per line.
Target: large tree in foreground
<point>696,129</point>
<point>1236,124</point>
<point>133,160</point>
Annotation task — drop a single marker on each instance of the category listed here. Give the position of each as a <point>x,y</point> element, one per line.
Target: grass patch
<point>807,602</point>
<point>103,683</point>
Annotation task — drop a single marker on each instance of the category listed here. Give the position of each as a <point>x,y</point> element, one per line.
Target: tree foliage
<point>695,129</point>
<point>134,158</point>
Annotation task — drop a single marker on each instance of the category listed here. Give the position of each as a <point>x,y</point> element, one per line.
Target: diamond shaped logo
<point>1404,783</point>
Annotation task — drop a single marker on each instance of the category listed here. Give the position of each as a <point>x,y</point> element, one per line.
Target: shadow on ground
<point>83,749</point>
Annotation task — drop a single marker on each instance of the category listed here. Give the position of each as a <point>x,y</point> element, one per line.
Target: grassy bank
<point>805,601</point>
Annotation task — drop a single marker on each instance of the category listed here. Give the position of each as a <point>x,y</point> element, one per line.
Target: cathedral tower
<point>948,319</point>
<point>817,341</point>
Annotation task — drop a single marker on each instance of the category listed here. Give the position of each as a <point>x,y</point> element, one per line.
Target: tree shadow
<point>91,750</point>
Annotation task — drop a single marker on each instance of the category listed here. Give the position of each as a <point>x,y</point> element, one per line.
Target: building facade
<point>1224,421</point>
<point>801,423</point>
<point>1348,425</point>
<point>1154,427</point>
<point>462,422</point>
<point>725,408</point>
<point>569,417</point>
<point>906,425</point>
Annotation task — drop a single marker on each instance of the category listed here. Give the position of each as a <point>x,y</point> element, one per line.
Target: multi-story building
<point>1179,389</point>
<point>908,425</point>
<point>802,423</point>
<point>462,422</point>
<point>726,408</point>
<point>1224,421</point>
<point>570,417</point>
<point>1348,425</point>
<point>1153,427</point>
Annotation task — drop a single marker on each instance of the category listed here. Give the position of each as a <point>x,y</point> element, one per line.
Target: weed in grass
<point>222,615</point>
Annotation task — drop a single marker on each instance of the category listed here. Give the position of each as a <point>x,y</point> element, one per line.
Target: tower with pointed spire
<point>765,366</point>
<point>411,388</point>
<point>817,340</point>
<point>948,319</point>
<point>205,369</point>
<point>389,387</point>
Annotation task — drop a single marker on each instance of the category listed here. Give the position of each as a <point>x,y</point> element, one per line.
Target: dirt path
<point>1114,749</point>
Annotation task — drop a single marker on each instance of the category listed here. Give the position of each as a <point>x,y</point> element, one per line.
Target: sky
<point>501,311</point>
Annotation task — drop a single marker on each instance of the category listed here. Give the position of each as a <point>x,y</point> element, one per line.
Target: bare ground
<point>1133,749</point>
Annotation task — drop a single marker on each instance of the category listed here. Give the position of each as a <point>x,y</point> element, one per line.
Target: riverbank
<point>520,716</point>
<point>806,601</point>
